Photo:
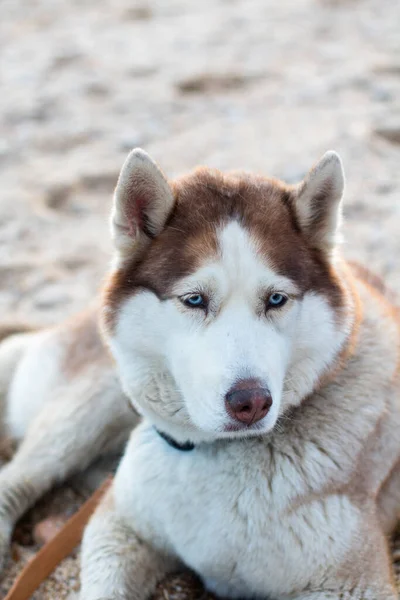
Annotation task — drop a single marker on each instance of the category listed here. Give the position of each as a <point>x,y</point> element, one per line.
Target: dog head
<point>224,306</point>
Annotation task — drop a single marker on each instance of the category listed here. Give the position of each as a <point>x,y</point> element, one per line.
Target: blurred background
<point>256,84</point>
<point>264,85</point>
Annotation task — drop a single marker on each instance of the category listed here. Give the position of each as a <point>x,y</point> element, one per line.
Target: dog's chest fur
<point>227,511</point>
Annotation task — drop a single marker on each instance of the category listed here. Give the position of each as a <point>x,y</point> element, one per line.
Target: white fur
<point>35,377</point>
<point>318,341</point>
<point>233,525</point>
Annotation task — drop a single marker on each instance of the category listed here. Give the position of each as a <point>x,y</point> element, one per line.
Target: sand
<point>255,84</point>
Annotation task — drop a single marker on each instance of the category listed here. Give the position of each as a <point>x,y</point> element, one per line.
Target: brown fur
<point>83,345</point>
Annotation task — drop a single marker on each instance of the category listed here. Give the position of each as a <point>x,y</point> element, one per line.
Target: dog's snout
<point>248,401</point>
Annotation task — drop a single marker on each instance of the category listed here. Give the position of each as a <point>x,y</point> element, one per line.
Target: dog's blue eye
<point>195,301</point>
<point>276,300</point>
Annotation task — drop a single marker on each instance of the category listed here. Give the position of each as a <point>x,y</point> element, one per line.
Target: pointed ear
<point>143,201</point>
<point>318,202</point>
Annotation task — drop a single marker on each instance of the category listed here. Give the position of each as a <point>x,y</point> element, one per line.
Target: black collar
<point>185,447</point>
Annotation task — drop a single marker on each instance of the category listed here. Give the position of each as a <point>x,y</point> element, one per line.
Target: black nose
<point>248,401</point>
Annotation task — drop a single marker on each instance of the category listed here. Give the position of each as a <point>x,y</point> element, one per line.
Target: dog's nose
<point>248,401</point>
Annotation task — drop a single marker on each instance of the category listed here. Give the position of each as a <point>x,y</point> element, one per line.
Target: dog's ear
<point>318,202</point>
<point>143,201</point>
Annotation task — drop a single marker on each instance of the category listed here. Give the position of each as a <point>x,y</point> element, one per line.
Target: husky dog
<point>266,372</point>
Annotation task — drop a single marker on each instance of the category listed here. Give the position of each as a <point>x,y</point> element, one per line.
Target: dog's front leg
<point>64,438</point>
<point>116,564</point>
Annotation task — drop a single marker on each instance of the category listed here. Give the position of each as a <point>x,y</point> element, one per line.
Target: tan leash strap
<point>58,548</point>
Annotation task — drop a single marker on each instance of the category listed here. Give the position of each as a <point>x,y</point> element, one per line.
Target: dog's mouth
<point>243,428</point>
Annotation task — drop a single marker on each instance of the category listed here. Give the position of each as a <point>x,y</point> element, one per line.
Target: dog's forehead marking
<point>238,264</point>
